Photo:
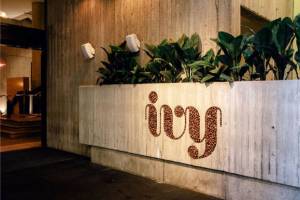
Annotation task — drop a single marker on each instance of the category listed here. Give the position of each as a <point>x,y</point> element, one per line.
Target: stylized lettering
<point>168,120</point>
<point>210,136</point>
<point>211,125</point>
<point>194,124</point>
<point>152,115</point>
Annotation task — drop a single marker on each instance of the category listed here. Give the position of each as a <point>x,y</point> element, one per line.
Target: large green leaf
<point>297,33</point>
<point>225,37</point>
<point>263,39</point>
<point>284,34</point>
<point>196,42</point>
<point>121,66</point>
<point>225,77</point>
<point>237,46</point>
<point>168,76</point>
<point>207,78</point>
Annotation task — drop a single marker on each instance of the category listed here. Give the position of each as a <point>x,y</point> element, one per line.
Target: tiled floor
<point>50,174</point>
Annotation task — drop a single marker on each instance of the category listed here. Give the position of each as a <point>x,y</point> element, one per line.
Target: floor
<point>12,144</point>
<point>50,174</point>
<point>20,132</point>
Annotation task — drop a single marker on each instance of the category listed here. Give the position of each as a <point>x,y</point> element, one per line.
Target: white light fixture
<point>133,44</point>
<point>3,14</point>
<point>3,104</point>
<point>88,51</point>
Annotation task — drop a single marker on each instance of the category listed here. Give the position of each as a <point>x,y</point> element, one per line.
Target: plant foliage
<point>121,67</point>
<point>253,57</point>
<point>175,61</point>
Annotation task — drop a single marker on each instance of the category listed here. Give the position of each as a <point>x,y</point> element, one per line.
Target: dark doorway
<point>23,72</point>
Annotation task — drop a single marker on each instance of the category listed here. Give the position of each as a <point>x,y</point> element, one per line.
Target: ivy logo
<point>191,117</point>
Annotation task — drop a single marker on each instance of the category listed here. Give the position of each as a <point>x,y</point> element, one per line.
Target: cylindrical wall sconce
<point>88,51</point>
<point>133,43</point>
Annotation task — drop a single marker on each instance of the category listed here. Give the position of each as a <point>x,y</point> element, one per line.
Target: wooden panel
<point>36,67</point>
<point>105,22</point>
<point>259,136</point>
<point>270,9</point>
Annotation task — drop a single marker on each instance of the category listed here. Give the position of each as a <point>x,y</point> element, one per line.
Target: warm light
<point>3,14</point>
<point>20,84</point>
<point>2,63</point>
<point>3,104</point>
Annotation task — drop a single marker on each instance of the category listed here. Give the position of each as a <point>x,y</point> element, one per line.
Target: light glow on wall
<point>3,104</point>
<point>3,98</point>
<point>3,14</point>
<point>20,84</point>
<point>2,63</point>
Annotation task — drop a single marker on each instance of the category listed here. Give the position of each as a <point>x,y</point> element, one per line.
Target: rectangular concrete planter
<point>250,129</point>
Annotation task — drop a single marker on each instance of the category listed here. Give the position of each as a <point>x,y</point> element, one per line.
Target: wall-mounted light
<point>133,44</point>
<point>88,51</point>
<point>2,63</point>
<point>3,104</point>
<point>3,14</point>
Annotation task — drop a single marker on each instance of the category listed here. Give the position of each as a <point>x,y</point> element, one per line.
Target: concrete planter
<point>249,129</point>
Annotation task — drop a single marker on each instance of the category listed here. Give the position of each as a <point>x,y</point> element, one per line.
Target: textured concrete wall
<point>103,23</point>
<point>214,183</point>
<point>256,135</point>
<point>296,7</point>
<point>270,9</point>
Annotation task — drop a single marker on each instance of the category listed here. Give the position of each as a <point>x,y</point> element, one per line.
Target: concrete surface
<point>50,174</point>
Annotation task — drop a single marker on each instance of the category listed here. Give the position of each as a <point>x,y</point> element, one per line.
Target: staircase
<point>18,125</point>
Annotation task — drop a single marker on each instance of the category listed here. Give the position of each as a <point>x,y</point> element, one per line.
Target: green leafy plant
<point>230,56</point>
<point>163,65</point>
<point>239,58</point>
<point>297,35</point>
<point>209,70</point>
<point>121,67</point>
<point>271,50</point>
<point>189,53</point>
<point>175,61</point>
<point>283,37</point>
<point>255,58</point>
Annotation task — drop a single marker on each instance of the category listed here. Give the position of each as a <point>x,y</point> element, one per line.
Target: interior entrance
<point>20,119</point>
<point>22,64</point>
